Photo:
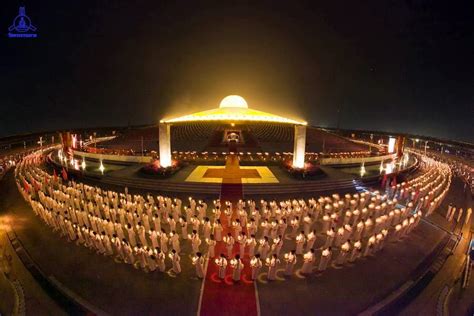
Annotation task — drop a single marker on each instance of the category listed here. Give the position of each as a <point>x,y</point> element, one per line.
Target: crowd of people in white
<point>464,171</point>
<point>149,231</point>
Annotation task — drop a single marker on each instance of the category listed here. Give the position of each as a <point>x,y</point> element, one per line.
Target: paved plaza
<point>116,288</point>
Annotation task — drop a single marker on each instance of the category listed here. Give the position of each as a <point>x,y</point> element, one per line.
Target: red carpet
<point>223,297</point>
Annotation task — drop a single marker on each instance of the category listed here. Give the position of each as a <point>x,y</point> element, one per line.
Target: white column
<point>165,145</point>
<point>299,146</point>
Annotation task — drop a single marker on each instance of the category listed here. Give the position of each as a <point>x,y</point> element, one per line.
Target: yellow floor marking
<point>265,175</point>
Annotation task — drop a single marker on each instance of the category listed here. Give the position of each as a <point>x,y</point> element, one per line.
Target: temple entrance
<point>233,136</point>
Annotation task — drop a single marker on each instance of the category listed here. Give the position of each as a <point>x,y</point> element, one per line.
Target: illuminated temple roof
<point>233,108</point>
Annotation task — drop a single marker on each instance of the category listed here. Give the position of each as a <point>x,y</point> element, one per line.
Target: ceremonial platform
<point>246,174</point>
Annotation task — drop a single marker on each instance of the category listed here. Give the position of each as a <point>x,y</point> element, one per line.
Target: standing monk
<point>222,264</point>
<point>198,261</point>
<point>237,267</point>
<point>256,264</point>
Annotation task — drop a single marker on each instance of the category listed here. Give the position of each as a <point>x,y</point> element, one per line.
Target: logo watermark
<point>22,26</point>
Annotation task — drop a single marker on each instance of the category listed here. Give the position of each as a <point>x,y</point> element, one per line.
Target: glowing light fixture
<point>101,167</point>
<point>74,140</point>
<point>391,145</point>
<point>362,169</point>
<point>406,158</point>
<point>389,168</point>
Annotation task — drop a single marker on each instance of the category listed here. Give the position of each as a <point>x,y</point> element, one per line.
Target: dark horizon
<point>396,67</point>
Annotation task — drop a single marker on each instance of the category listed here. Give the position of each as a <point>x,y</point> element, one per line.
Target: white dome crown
<point>233,101</point>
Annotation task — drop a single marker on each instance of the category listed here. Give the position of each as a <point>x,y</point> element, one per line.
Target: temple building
<point>232,109</point>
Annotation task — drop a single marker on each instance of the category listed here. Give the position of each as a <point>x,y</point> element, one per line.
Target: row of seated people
<point>132,141</point>
<point>129,142</point>
<point>279,137</point>
<point>272,132</point>
<point>194,136</point>
<point>10,161</point>
<point>319,140</point>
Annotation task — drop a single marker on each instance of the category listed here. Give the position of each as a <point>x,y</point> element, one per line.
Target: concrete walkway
<point>30,296</point>
<point>434,297</point>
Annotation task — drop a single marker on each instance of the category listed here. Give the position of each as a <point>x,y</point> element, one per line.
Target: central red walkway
<point>223,297</point>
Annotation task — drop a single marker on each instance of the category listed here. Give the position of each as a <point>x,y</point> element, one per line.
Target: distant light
<point>83,165</point>
<point>406,157</point>
<point>233,101</point>
<point>101,167</point>
<point>74,140</point>
<point>76,164</point>
<point>391,145</point>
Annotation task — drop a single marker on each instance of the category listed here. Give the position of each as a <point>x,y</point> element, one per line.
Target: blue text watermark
<point>22,26</point>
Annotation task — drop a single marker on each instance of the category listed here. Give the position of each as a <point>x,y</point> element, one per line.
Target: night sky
<point>402,66</point>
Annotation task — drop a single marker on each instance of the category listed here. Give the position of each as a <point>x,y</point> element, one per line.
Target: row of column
<point>299,149</point>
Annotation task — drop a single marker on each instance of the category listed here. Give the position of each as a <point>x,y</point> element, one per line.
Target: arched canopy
<point>233,108</point>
